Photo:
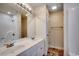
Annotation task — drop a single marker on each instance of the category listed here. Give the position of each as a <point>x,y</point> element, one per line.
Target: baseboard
<point>55,47</point>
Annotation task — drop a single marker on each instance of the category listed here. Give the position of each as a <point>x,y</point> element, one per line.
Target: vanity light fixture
<point>27,6</point>
<point>54,7</point>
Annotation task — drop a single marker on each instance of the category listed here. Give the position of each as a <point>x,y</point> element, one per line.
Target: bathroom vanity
<point>25,47</point>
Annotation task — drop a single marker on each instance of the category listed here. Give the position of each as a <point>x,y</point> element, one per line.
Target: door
<point>23,26</point>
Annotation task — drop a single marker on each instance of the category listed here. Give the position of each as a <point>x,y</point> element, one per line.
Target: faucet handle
<point>9,45</point>
<point>2,38</point>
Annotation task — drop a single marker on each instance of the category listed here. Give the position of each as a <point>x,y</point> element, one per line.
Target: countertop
<point>19,46</point>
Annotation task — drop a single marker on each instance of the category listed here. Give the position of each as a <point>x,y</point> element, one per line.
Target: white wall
<point>40,19</point>
<point>73,31</point>
<point>30,26</point>
<point>68,28</point>
<point>6,25</point>
<point>18,16</point>
<point>41,24</point>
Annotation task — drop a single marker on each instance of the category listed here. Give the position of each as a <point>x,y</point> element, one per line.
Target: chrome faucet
<point>8,42</point>
<point>9,45</point>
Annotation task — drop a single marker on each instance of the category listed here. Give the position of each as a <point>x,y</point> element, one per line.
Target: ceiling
<point>49,6</point>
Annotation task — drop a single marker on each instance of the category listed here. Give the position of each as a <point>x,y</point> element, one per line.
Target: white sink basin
<point>11,50</point>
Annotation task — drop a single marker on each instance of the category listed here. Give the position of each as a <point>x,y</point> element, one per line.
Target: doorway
<point>56,33</point>
<point>23,26</point>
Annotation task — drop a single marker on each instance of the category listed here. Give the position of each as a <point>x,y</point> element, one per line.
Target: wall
<point>55,34</point>
<point>30,26</point>
<point>18,15</point>
<point>67,32</point>
<point>40,19</point>
<point>41,24</point>
<point>56,19</point>
<point>7,27</point>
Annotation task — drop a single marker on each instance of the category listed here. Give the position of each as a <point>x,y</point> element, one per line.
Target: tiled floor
<point>55,52</point>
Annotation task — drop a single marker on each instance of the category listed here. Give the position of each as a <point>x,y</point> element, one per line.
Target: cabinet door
<point>40,48</point>
<point>29,52</point>
<point>36,50</point>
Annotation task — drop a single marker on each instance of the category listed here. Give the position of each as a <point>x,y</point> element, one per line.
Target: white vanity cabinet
<point>36,50</point>
<point>40,48</point>
<point>29,52</point>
